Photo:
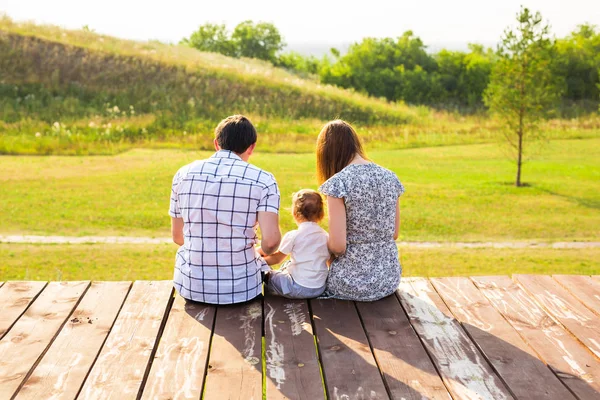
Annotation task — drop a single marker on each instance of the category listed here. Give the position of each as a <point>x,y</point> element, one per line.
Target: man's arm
<point>177,230</point>
<point>269,228</point>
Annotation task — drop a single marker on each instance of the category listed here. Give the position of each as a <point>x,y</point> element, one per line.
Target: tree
<point>212,38</point>
<point>260,40</point>
<point>522,87</point>
<point>578,60</point>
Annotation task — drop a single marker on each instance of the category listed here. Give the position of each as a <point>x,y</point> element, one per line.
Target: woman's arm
<point>337,225</point>
<point>397,228</point>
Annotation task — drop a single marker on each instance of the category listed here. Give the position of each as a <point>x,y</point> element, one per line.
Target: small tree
<point>522,87</point>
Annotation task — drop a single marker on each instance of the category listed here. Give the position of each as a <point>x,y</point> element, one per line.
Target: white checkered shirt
<point>218,199</point>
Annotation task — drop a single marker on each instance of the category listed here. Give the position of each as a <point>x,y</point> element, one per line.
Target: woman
<point>364,217</point>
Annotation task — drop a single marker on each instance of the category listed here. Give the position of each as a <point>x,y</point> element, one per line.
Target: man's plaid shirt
<point>218,199</point>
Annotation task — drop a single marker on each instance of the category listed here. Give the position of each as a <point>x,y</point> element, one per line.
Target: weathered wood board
<point>569,311</point>
<point>234,366</point>
<point>119,370</point>
<point>62,371</point>
<point>180,363</point>
<point>402,359</point>
<point>15,297</point>
<point>584,288</point>
<point>571,362</point>
<point>28,339</point>
<point>500,343</point>
<point>292,366</point>
<point>349,368</point>
<point>464,370</point>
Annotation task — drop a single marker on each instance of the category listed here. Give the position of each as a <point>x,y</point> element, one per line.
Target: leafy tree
<point>260,40</point>
<point>212,38</point>
<point>578,60</point>
<point>522,87</point>
<point>376,66</point>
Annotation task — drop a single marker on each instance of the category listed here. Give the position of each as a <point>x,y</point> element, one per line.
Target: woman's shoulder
<point>336,185</point>
<point>391,177</point>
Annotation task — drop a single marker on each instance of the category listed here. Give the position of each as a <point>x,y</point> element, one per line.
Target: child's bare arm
<point>261,252</point>
<point>275,258</point>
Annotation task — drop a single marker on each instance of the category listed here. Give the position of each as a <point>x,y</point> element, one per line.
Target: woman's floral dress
<point>369,269</point>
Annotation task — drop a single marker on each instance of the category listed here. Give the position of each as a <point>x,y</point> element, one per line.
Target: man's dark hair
<point>235,133</point>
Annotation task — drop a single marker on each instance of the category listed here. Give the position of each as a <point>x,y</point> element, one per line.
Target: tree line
<point>401,69</point>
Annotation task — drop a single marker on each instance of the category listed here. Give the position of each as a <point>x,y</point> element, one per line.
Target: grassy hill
<point>78,92</point>
<point>83,81</point>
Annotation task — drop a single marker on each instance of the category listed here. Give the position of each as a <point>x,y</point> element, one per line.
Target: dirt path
<point>32,239</point>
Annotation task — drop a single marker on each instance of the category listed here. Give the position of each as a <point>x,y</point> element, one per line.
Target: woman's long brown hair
<point>337,145</point>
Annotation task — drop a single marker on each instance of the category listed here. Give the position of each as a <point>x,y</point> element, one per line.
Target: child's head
<point>307,206</point>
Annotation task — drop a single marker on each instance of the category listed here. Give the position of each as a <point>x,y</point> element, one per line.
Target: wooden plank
<point>577,318</point>
<point>15,297</point>
<point>464,370</point>
<point>234,367</point>
<point>406,366</point>
<point>584,288</point>
<point>121,365</point>
<point>179,367</point>
<point>65,365</point>
<point>571,362</point>
<point>500,343</point>
<point>34,331</point>
<point>349,368</point>
<point>291,357</point>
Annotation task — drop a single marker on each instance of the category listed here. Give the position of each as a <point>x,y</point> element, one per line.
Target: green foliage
<point>522,88</point>
<point>212,38</point>
<point>303,65</point>
<point>402,69</point>
<point>260,40</point>
<point>578,61</point>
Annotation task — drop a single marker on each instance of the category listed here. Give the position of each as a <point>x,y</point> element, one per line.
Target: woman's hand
<point>337,225</point>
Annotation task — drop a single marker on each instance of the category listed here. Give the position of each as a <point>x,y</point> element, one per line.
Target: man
<point>215,206</point>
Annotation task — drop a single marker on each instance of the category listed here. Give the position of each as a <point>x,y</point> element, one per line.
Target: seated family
<point>218,204</point>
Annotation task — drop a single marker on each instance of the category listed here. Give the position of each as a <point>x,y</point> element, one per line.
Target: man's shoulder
<point>183,171</point>
<point>257,174</point>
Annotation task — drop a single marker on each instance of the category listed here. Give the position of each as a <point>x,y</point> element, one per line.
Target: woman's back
<point>369,269</point>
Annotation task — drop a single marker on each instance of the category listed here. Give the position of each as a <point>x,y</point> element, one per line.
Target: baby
<point>305,274</point>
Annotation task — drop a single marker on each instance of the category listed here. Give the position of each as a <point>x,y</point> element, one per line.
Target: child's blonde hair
<point>307,205</point>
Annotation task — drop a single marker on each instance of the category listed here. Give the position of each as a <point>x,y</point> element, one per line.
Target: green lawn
<point>131,262</point>
<point>453,193</point>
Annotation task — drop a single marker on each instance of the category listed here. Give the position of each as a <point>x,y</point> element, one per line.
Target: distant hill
<point>48,73</point>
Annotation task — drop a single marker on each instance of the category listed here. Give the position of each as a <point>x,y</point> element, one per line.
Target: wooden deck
<point>525,337</point>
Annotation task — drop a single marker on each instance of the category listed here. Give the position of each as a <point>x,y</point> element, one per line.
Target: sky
<point>308,24</point>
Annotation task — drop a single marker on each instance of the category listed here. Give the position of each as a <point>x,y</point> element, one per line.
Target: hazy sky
<point>437,22</point>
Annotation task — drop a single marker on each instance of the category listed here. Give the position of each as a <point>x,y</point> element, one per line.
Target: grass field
<point>132,262</point>
<point>453,193</point>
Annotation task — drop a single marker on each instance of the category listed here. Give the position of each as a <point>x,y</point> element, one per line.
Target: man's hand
<point>269,227</point>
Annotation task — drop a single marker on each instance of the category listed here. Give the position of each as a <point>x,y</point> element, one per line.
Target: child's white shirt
<point>307,246</point>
